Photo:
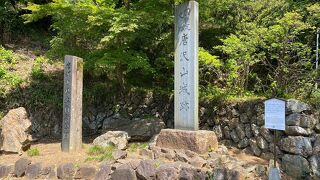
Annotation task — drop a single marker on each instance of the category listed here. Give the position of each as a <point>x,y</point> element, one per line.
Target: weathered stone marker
<point>72,104</point>
<point>186,66</point>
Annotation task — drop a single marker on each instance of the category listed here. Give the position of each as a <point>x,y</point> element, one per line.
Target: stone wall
<point>241,125</point>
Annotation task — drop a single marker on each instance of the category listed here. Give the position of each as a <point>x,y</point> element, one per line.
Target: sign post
<point>275,118</point>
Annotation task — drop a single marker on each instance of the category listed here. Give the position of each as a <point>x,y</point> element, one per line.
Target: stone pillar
<point>72,104</point>
<point>186,75</point>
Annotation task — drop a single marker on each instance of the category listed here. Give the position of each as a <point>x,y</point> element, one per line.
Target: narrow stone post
<point>186,75</point>
<point>72,104</point>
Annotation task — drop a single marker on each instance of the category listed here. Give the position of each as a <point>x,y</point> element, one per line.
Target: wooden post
<point>72,104</point>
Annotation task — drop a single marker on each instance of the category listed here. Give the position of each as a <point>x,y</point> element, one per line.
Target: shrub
<point>33,152</point>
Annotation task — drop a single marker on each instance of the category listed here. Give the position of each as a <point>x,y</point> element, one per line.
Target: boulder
<point>138,129</point>
<point>20,167</point>
<point>66,171</point>
<point>119,154</point>
<point>254,147</point>
<point>85,172</point>
<point>33,171</point>
<point>49,172</point>
<point>196,141</point>
<point>302,120</point>
<point>146,170</point>
<point>316,146</point>
<point>224,173</point>
<point>315,165</point>
<point>240,131</point>
<point>115,138</point>
<point>297,106</point>
<point>296,131</point>
<point>103,173</point>
<point>167,172</point>
<point>255,130</point>
<point>262,143</point>
<point>295,166</point>
<point>125,173</point>
<point>297,145</point>
<point>5,171</point>
<point>234,136</point>
<point>243,143</point>
<point>15,134</point>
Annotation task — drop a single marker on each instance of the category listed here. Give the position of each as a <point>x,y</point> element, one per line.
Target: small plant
<point>133,147</point>
<point>100,153</point>
<point>33,152</point>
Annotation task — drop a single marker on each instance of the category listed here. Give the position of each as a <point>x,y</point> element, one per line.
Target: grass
<point>99,153</point>
<point>33,152</point>
<point>133,147</point>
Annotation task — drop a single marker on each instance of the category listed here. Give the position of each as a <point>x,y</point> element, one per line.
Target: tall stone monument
<point>72,104</point>
<point>186,75</point>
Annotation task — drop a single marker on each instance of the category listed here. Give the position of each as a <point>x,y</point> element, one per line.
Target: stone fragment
<point>65,171</point>
<point>248,131</point>
<point>16,128</point>
<point>20,167</point>
<point>296,131</point>
<point>167,172</point>
<point>197,141</point>
<point>226,132</point>
<point>234,136</point>
<point>297,145</point>
<point>295,166</point>
<point>124,174</point>
<point>103,173</point>
<point>146,170</point>
<point>33,171</point>
<point>240,131</point>
<point>262,143</point>
<point>315,165</point>
<point>243,143</point>
<point>254,147</point>
<point>297,106</point>
<point>116,138</point>
<point>5,171</point>
<point>49,172</point>
<point>85,172</point>
<point>138,129</point>
<point>119,154</point>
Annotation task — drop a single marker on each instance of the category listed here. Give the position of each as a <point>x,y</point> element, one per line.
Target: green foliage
<point>134,147</point>
<point>33,152</point>
<point>37,71</point>
<point>99,153</point>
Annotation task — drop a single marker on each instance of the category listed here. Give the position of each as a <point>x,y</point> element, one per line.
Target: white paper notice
<point>274,114</point>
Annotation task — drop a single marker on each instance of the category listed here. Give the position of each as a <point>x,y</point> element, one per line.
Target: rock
<point>293,119</point>
<point>262,143</point>
<point>233,123</point>
<point>317,128</point>
<point>302,120</point>
<point>85,172</point>
<point>20,167</point>
<point>243,143</point>
<point>244,118</point>
<point>198,162</point>
<point>179,156</point>
<point>315,165</point>
<point>16,129</point>
<point>234,136</point>
<point>103,173</point>
<point>124,174</point>
<point>254,147</point>
<point>260,170</point>
<point>316,146</point>
<point>197,141</point>
<point>168,153</point>
<point>255,130</point>
<point>240,131</point>
<point>296,131</point>
<point>5,171</point>
<point>119,154</point>
<point>138,129</point>
<point>49,172</point>
<point>297,106</point>
<point>226,132</point>
<point>224,173</point>
<point>116,138</point>
<point>146,170</point>
<point>218,131</point>
<point>295,166</point>
<point>248,131</point>
<point>222,149</point>
<point>146,152</point>
<point>190,173</point>
<point>66,171</point>
<point>297,145</point>
<point>167,172</point>
<point>33,171</point>
<point>265,133</point>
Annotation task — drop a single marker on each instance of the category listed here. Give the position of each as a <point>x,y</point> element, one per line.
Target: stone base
<point>197,141</point>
